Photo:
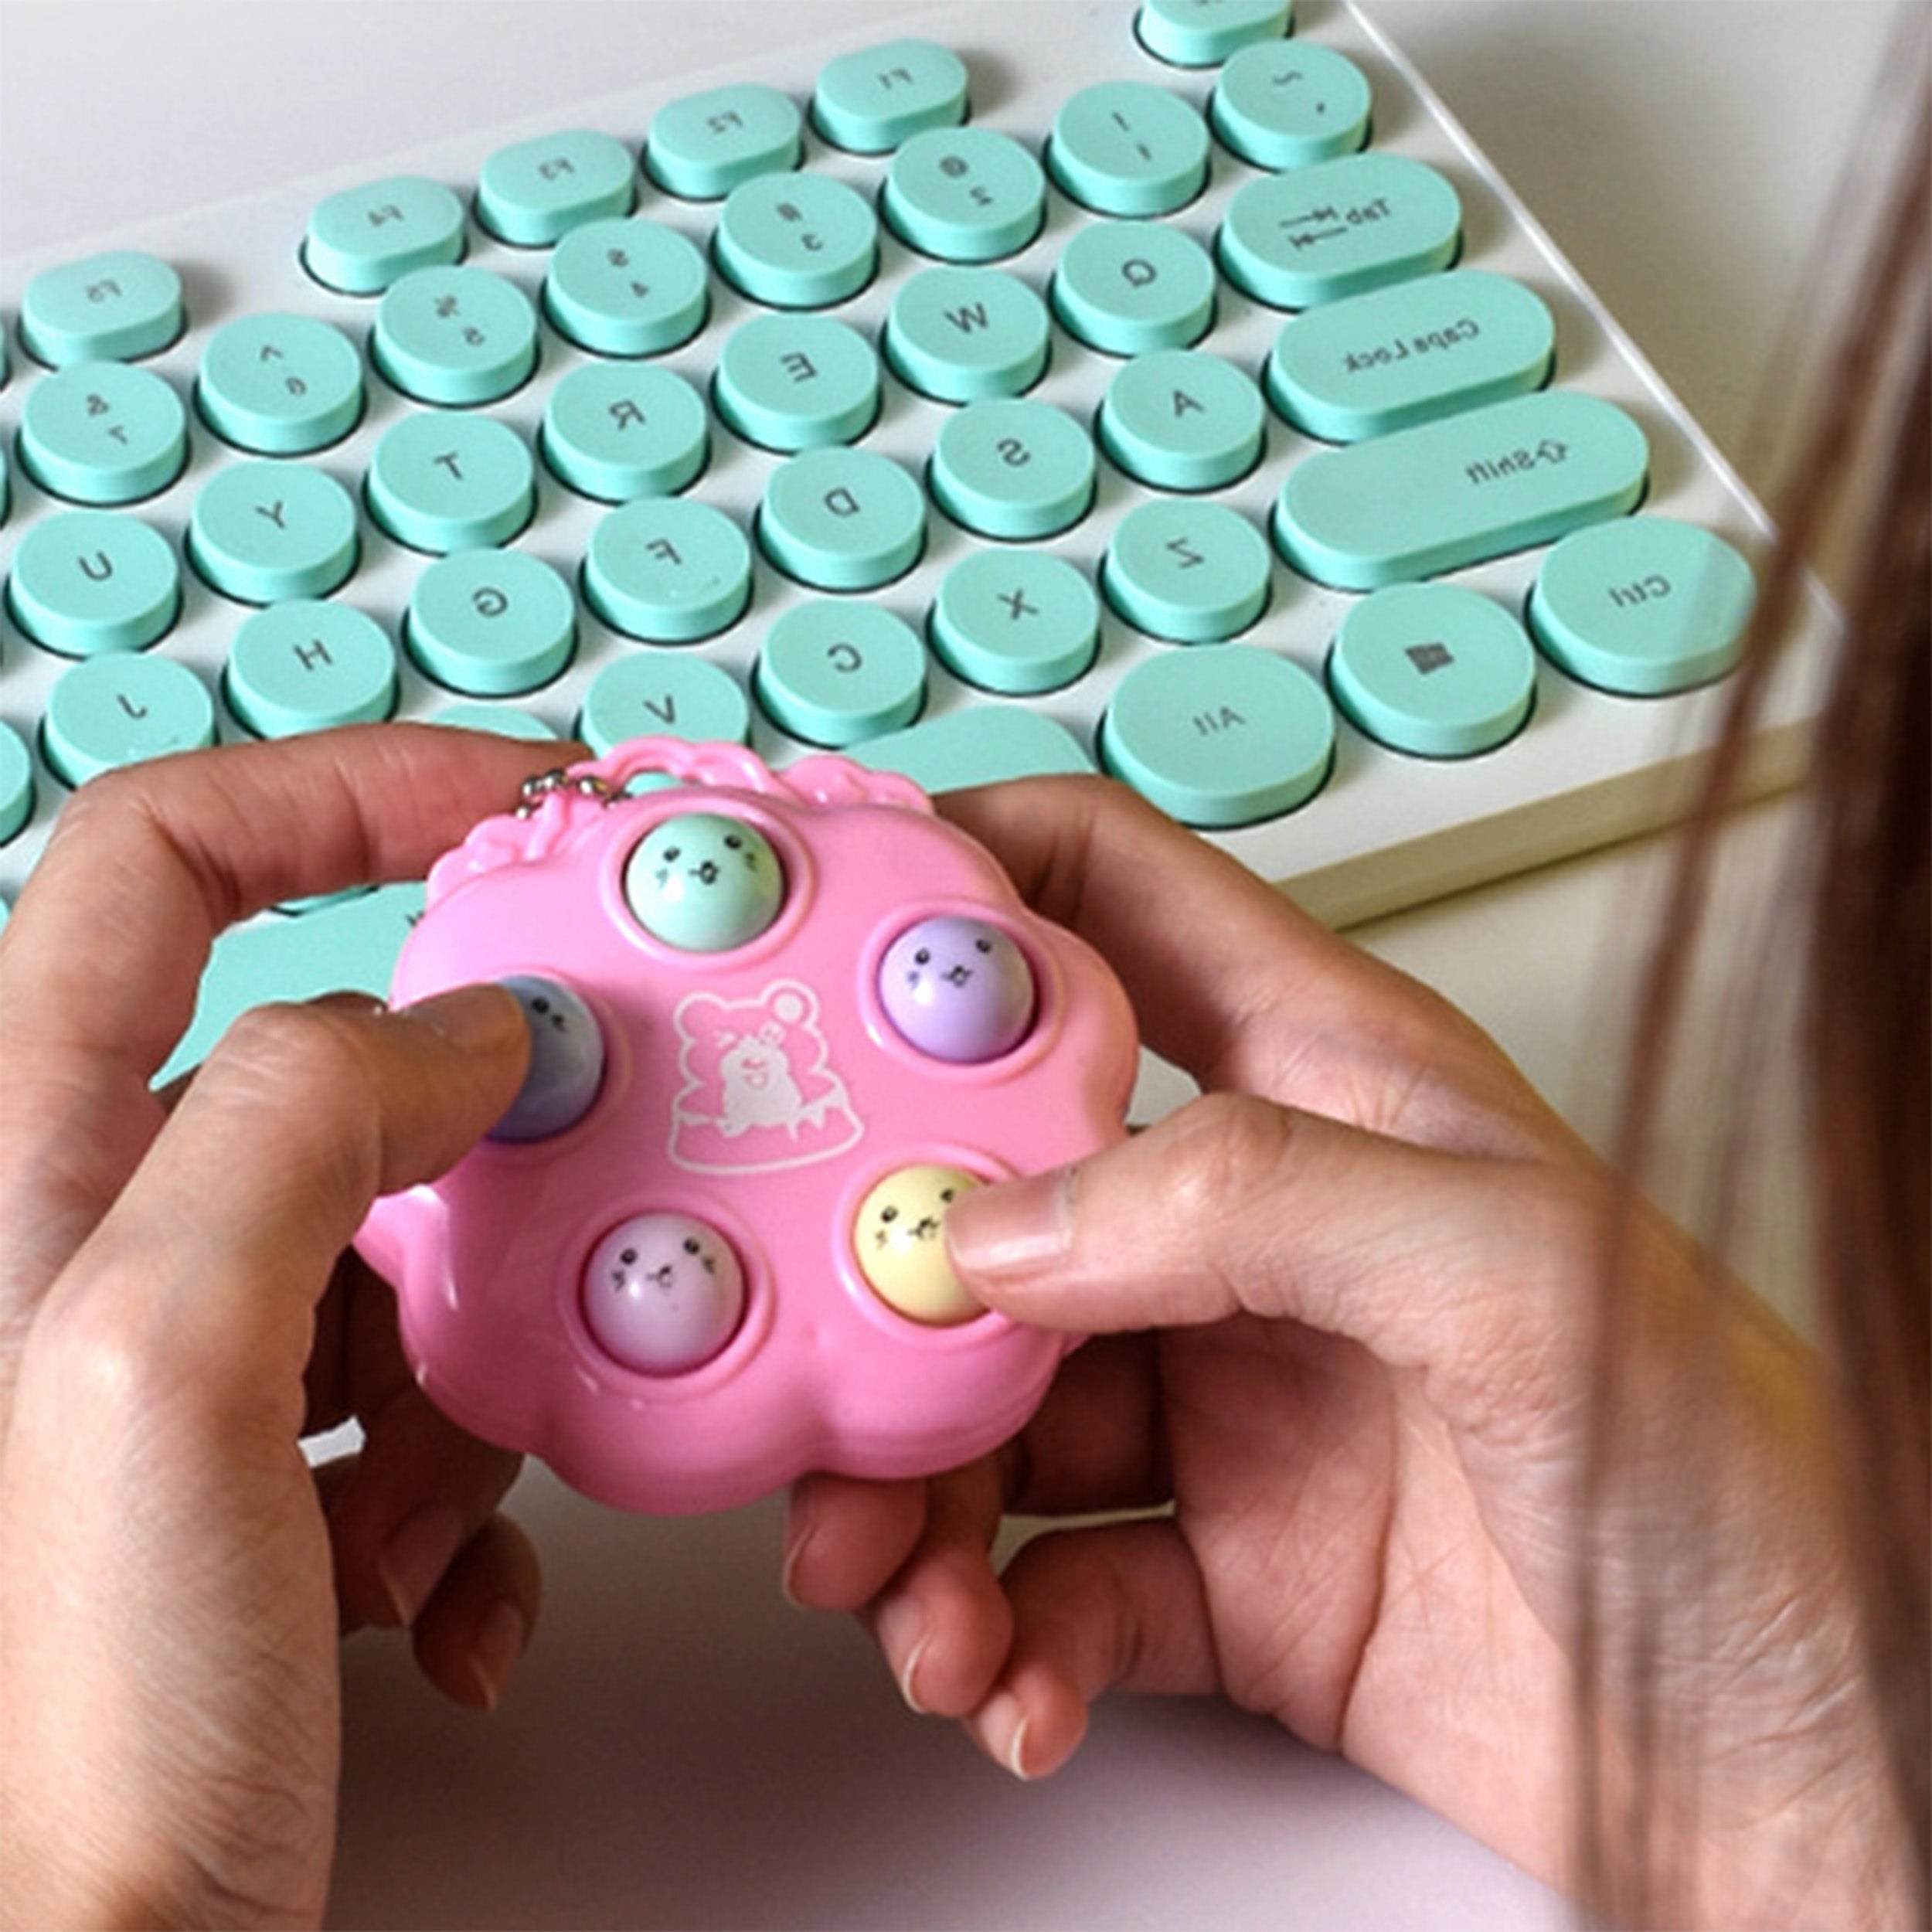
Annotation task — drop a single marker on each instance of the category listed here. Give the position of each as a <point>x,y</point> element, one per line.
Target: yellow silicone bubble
<point>899,1237</point>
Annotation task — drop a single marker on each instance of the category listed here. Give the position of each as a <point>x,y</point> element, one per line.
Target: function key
<point>704,882</point>
<point>965,194</point>
<point>121,709</point>
<point>535,193</point>
<point>1289,104</point>
<point>364,239</point>
<point>626,288</point>
<point>457,336</point>
<point>1129,147</point>
<point>870,101</point>
<point>110,308</point>
<point>104,433</point>
<point>797,241</point>
<point>702,147</point>
<point>90,581</point>
<point>1200,33</point>
<point>280,385</point>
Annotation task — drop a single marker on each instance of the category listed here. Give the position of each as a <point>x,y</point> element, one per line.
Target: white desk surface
<point>682,1749</point>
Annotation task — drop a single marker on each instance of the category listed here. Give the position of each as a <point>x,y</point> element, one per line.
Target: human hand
<point>176,1311</point>
<point>1343,1380</point>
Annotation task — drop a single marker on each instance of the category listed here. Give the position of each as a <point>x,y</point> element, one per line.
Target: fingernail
<point>901,1631</point>
<point>800,1526</point>
<point>1002,1726</point>
<point>1014,1228</point>
<point>498,1650</point>
<point>414,1559</point>
<point>475,1019</point>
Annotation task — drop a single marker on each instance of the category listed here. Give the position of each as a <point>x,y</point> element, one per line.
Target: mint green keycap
<point>796,240</point>
<point>842,519</point>
<point>1434,499</point>
<point>700,148</point>
<point>1125,287</point>
<point>836,672</point>
<point>1400,355</point>
<point>455,335</point>
<point>1289,103</point>
<point>958,335</point>
<point>119,709</point>
<point>982,745</point>
<point>110,308</point>
<point>1015,622</point>
<point>1181,420</point>
<point>1433,669</point>
<point>870,101</point>
<point>1009,468</point>
<point>1129,147</point>
<point>503,720</point>
<point>1202,33</point>
<point>1192,573</point>
<point>364,239</point>
<point>535,191</point>
<point>491,624</point>
<point>667,569</point>
<point>280,385</point>
<point>615,431</point>
<point>1316,234</point>
<point>646,693</point>
<point>794,383</point>
<point>1224,736</point>
<point>306,666</point>
<point>965,194</point>
<point>626,287</point>
<point>261,531</point>
<point>446,482</point>
<point>1643,607</point>
<point>16,783</point>
<point>102,432</point>
<point>90,581</point>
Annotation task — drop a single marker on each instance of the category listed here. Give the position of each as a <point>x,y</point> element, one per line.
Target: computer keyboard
<point>1170,390</point>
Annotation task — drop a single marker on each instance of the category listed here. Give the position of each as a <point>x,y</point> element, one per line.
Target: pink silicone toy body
<point>728,1268</point>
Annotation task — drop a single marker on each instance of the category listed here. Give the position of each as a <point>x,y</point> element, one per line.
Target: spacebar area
<point>1449,493</point>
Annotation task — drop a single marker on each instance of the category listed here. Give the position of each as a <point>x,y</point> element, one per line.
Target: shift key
<point>1446,494</point>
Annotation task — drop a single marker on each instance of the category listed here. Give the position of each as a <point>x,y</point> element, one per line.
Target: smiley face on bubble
<point>704,882</point>
<point>899,1237</point>
<point>959,989</point>
<point>663,1293</point>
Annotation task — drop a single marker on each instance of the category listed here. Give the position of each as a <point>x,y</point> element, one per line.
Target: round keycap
<point>870,101</point>
<point>1129,147</point>
<point>102,432</point>
<point>110,308</point>
<point>261,531</point>
<point>455,336</point>
<point>702,146</point>
<point>1222,735</point>
<point>1125,288</point>
<point>444,482</point>
<point>1015,622</point>
<point>667,569</point>
<point>1433,669</point>
<point>614,432</point>
<point>1192,573</point>
<point>120,709</point>
<point>506,721</point>
<point>566,1061</point>
<point>1289,103</point>
<point>965,194</point>
<point>1009,468</point>
<point>663,1294</point>
<point>959,989</point>
<point>836,672</point>
<point>962,334</point>
<point>282,385</point>
<point>1181,420</point>
<point>363,239</point>
<point>1190,35</point>
<point>491,623</point>
<point>630,288</point>
<point>792,382</point>
<point>841,519</point>
<point>899,1237</point>
<point>533,193</point>
<point>309,665</point>
<point>796,240</point>
<point>86,581</point>
<point>650,692</point>
<point>16,783</point>
<point>704,882</point>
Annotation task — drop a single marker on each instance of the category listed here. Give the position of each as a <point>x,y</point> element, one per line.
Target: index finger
<point>100,963</point>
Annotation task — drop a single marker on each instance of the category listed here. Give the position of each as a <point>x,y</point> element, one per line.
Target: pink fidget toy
<point>778,1022</point>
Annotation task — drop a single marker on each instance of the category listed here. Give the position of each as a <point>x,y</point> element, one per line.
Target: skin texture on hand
<point>176,1311</point>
